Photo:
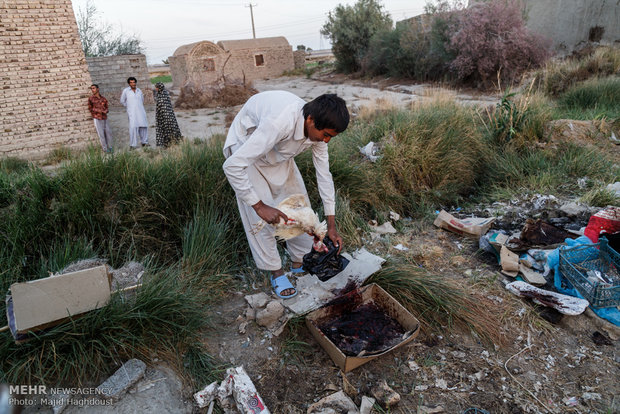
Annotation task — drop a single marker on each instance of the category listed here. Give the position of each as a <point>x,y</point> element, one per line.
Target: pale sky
<point>164,25</point>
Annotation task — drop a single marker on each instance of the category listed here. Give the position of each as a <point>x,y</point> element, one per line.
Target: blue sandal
<point>297,270</point>
<point>280,284</point>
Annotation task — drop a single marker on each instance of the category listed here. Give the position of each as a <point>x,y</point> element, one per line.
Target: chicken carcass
<point>301,219</point>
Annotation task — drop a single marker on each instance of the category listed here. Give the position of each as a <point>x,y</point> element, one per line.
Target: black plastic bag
<point>325,265</point>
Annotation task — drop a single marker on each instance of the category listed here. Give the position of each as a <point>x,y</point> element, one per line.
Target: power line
<point>252,16</point>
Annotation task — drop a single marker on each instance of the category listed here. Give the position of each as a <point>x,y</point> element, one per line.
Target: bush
<point>560,75</point>
<point>350,29</point>
<point>491,38</point>
<point>593,94</point>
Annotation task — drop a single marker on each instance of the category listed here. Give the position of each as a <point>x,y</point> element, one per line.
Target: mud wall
<point>111,73</point>
<point>45,79</point>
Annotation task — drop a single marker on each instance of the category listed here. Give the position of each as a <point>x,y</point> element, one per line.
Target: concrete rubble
<point>127,375</point>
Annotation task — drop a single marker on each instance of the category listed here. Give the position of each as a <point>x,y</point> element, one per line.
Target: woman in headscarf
<point>166,126</point>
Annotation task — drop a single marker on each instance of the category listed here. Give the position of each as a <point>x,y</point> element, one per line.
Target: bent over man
<point>268,132</point>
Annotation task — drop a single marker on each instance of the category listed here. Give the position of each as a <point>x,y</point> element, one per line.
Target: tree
<point>350,29</point>
<point>99,38</point>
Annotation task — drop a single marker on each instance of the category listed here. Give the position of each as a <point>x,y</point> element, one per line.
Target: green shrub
<point>162,79</point>
<point>598,94</point>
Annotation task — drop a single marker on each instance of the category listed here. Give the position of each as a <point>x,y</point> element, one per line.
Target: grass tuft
<point>436,302</point>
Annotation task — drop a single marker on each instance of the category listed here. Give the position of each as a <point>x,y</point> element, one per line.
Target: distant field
<point>163,79</point>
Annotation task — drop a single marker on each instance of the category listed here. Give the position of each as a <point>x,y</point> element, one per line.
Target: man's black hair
<point>328,111</point>
<point>95,85</point>
<point>131,78</point>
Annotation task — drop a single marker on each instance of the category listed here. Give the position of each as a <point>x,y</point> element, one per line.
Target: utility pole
<point>252,16</point>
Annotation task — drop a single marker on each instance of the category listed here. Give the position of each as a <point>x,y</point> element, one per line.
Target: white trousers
<point>141,132</point>
<point>105,133</point>
<point>273,184</point>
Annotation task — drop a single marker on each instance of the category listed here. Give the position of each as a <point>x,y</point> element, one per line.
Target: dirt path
<point>202,123</point>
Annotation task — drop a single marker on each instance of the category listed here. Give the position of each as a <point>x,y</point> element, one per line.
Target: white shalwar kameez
<point>262,141</point>
<point>138,125</point>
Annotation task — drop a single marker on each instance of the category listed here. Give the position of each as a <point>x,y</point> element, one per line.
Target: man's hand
<point>332,233</point>
<point>269,214</point>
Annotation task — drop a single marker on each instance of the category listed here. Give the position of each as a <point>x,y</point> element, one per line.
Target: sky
<point>164,25</point>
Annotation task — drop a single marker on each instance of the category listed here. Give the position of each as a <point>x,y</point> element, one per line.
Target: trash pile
<point>561,267</point>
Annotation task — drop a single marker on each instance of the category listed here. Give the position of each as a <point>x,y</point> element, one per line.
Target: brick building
<point>45,79</point>
<point>205,63</point>
<point>111,73</point>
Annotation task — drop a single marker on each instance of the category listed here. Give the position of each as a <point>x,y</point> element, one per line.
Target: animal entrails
<point>301,219</point>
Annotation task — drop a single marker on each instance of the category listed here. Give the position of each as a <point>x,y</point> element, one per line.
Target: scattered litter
<point>366,405</point>
<point>613,138</point>
<point>607,220</point>
<point>471,226</point>
<point>531,276</point>
<point>565,304</point>
<point>539,233</point>
<point>370,151</point>
<point>385,395</point>
<point>338,402</point>
<point>236,391</point>
<point>509,262</point>
<point>46,302</point>
<point>571,402</point>
<point>395,216</point>
<point>594,396</point>
<point>400,247</point>
<point>385,228</point>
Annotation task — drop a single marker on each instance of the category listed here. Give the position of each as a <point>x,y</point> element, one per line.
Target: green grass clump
<point>593,99</point>
<point>600,197</point>
<point>162,79</point>
<point>163,316</point>
<point>58,155</point>
<point>560,75</point>
<point>436,302</point>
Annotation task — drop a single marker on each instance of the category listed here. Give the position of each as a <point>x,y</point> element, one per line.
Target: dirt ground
<point>544,367</point>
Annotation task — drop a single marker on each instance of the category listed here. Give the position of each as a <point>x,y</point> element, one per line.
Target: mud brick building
<point>205,63</point>
<point>44,79</point>
<point>111,73</point>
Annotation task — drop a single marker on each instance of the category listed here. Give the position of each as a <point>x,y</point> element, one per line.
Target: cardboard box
<point>471,226</point>
<point>367,294</point>
<point>42,303</point>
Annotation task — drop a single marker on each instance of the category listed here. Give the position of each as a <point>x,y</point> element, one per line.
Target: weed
<point>435,301</point>
<point>293,350</point>
<point>58,155</point>
<point>600,197</point>
<point>162,79</point>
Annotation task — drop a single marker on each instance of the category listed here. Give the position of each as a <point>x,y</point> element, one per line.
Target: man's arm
<point>124,98</point>
<point>325,184</point>
<point>105,106</point>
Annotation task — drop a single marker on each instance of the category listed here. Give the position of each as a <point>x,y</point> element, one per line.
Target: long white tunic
<point>268,132</point>
<point>134,102</point>
<point>260,148</point>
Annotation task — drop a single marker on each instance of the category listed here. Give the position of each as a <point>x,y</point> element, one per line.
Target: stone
<point>366,405</point>
<point>270,316</point>
<point>430,410</point>
<point>259,300</point>
<point>338,402</point>
<point>385,395</point>
<point>127,375</point>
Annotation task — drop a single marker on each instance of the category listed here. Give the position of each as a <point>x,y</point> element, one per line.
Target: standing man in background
<point>133,99</point>
<point>98,107</point>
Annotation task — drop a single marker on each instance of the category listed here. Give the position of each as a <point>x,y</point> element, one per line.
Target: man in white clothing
<point>133,99</point>
<point>268,132</point>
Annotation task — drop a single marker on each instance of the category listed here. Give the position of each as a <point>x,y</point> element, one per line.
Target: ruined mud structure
<point>205,63</point>
<point>111,73</point>
<point>45,79</point>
